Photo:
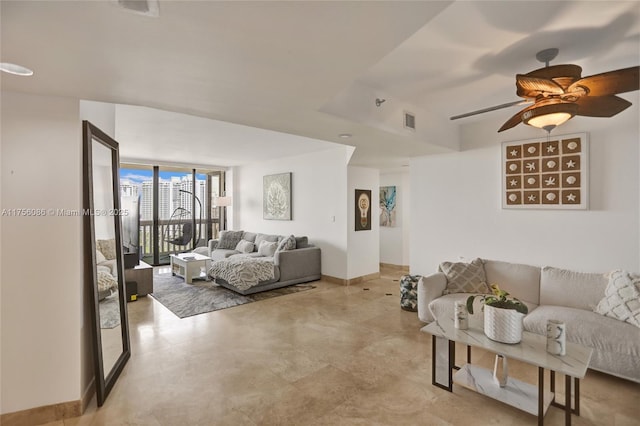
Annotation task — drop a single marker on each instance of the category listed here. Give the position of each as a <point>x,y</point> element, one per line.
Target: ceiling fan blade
<point>530,87</point>
<point>611,83</point>
<point>516,119</point>
<point>493,108</point>
<point>554,71</point>
<point>601,106</point>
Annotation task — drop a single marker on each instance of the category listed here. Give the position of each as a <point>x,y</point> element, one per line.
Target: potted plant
<point>502,315</point>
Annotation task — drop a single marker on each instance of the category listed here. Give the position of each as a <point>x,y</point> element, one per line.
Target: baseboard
<point>403,268</point>
<point>42,415</point>
<point>89,392</point>
<point>351,281</point>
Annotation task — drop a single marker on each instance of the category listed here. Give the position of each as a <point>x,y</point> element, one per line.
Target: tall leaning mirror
<point>104,262</point>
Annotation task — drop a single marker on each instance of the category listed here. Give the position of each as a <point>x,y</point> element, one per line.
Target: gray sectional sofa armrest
<point>212,245</point>
<point>430,287</point>
<point>298,264</point>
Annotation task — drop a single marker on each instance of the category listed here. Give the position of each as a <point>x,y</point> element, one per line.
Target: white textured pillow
<point>100,257</point>
<point>244,246</point>
<point>267,248</point>
<point>107,248</point>
<point>622,298</point>
<point>106,281</point>
<point>464,277</point>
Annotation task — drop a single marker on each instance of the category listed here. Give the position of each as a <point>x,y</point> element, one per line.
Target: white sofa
<point>551,293</point>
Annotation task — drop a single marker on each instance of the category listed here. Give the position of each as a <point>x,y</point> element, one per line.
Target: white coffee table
<point>532,350</point>
<point>189,266</point>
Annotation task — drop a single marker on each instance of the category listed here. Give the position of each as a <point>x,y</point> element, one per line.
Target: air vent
<point>409,120</point>
<point>142,7</point>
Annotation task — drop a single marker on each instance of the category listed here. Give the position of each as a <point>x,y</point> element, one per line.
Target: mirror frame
<point>104,384</point>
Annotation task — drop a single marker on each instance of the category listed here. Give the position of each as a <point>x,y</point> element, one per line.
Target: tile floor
<point>334,355</point>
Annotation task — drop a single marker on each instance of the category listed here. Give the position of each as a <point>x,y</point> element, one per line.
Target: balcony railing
<point>168,230</point>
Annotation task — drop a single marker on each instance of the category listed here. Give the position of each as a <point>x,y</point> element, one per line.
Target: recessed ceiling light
<point>345,135</point>
<point>15,69</point>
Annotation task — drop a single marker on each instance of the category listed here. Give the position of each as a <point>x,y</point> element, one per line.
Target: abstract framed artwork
<point>276,197</point>
<point>546,173</point>
<point>388,206</point>
<point>363,209</point>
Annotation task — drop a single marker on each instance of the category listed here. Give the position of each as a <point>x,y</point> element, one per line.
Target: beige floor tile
<point>334,355</point>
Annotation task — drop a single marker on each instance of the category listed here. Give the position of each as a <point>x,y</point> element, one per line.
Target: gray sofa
<point>291,266</point>
<point>551,293</point>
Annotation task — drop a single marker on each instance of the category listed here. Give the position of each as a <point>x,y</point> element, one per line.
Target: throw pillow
<point>621,298</point>
<point>267,249</point>
<point>244,246</point>
<point>464,277</point>
<point>229,239</point>
<point>265,237</point>
<point>106,281</point>
<point>288,243</point>
<point>302,242</point>
<point>107,248</point>
<point>100,257</point>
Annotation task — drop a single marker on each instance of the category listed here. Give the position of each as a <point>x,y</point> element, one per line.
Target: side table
<point>143,275</point>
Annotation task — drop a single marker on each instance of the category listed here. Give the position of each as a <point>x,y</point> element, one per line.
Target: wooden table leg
<point>540,396</point>
<point>567,400</point>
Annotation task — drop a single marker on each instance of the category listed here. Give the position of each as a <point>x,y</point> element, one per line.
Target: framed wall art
<point>388,206</point>
<point>363,209</point>
<point>276,197</point>
<point>546,173</point>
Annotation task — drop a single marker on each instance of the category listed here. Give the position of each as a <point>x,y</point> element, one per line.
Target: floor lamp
<point>222,203</point>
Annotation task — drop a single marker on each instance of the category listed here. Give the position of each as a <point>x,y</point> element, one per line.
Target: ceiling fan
<point>558,93</point>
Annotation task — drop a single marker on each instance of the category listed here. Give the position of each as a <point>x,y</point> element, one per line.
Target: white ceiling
<point>294,67</point>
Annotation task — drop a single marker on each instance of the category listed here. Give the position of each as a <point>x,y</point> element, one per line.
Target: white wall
<point>457,198</point>
<point>101,115</point>
<point>41,256</point>
<point>394,241</point>
<point>363,250</point>
<point>319,182</point>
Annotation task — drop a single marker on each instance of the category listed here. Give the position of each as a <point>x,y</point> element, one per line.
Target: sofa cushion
<point>267,249</point>
<point>562,287</point>
<point>302,242</point>
<point>288,243</point>
<point>622,298</point>
<point>265,237</point>
<point>443,306</point>
<point>521,281</point>
<point>249,236</point>
<point>252,254</point>
<point>219,254</point>
<point>244,246</point>
<point>464,277</point>
<point>587,328</point>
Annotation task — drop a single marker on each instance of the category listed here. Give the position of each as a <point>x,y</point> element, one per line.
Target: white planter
<point>503,325</point>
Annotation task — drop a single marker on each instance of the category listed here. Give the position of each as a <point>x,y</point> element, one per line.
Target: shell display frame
<point>546,173</point>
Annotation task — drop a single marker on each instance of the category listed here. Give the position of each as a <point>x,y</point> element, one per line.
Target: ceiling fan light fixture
<point>548,117</point>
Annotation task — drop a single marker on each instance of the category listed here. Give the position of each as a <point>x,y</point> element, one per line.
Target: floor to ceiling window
<point>174,208</point>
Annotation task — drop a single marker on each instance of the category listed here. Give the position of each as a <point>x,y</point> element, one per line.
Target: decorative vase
<point>461,316</point>
<point>556,337</point>
<point>503,325</point>
<point>500,370</point>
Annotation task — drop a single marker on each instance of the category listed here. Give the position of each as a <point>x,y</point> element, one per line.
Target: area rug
<point>186,300</point>
<point>110,311</point>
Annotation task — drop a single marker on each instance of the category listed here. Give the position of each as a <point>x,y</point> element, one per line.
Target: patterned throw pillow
<point>107,248</point>
<point>229,239</point>
<point>106,281</point>
<point>288,243</point>
<point>621,298</point>
<point>244,246</point>
<point>464,277</point>
<point>100,257</point>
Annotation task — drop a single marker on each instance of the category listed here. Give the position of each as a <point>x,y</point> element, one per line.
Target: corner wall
<point>363,250</point>
<point>41,312</point>
<point>457,198</point>
<point>319,202</point>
